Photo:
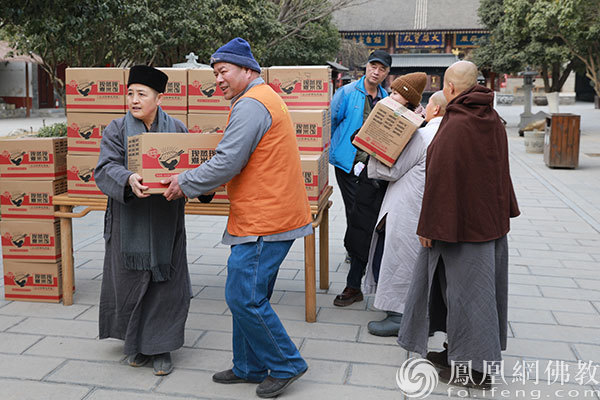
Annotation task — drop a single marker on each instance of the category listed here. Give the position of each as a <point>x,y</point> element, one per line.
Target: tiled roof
<point>410,15</point>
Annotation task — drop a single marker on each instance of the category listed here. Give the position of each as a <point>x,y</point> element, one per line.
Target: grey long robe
<point>469,301</point>
<point>149,316</point>
<point>402,205</point>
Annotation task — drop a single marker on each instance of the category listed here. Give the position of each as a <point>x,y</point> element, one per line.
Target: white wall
<point>12,79</point>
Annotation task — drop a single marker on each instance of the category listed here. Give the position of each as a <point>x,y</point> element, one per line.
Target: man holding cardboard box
<point>258,158</point>
<point>460,280</point>
<point>145,293</point>
<point>350,107</point>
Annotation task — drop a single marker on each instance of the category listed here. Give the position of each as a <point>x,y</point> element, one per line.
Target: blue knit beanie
<point>236,51</point>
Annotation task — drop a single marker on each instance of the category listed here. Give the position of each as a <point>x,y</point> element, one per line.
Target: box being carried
<point>29,199</point>
<point>387,130</point>
<point>204,96</point>
<point>29,241</point>
<point>32,281</point>
<point>156,156</point>
<point>302,87</point>
<point>315,170</point>
<point>95,90</point>
<point>84,131</point>
<point>33,158</point>
<point>80,176</point>
<point>313,130</point>
<point>207,123</point>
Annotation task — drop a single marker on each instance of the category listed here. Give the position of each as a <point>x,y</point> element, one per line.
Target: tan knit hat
<point>411,86</point>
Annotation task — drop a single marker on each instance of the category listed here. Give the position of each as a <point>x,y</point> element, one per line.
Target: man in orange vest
<point>258,158</point>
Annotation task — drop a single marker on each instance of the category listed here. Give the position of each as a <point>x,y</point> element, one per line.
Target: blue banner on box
<point>421,40</point>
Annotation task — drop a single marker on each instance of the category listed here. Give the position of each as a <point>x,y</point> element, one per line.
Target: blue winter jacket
<point>347,108</point>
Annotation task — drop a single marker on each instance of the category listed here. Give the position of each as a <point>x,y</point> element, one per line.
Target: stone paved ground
<point>49,351</point>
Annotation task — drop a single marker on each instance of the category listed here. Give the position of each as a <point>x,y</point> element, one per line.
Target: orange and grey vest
<point>268,195</point>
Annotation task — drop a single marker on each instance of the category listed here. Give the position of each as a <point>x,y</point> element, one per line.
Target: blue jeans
<point>260,342</point>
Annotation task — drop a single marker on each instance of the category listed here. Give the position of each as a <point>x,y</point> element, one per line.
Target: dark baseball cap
<point>381,57</point>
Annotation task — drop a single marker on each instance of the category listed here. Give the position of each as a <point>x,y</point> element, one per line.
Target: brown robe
<point>469,195</point>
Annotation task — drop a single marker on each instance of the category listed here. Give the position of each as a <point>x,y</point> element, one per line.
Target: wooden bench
<point>320,213</point>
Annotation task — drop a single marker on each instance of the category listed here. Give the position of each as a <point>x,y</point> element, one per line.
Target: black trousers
<point>358,267</point>
<point>347,182</point>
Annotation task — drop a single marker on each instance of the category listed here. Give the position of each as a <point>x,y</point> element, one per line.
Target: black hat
<point>382,57</point>
<point>148,76</point>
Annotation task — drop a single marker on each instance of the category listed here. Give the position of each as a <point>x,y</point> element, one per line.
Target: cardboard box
<point>95,90</point>
<point>264,73</point>
<point>156,156</point>
<point>30,241</point>
<point>80,176</point>
<point>29,199</point>
<point>33,158</point>
<point>174,100</point>
<point>84,131</point>
<point>204,96</point>
<point>387,130</point>
<point>313,130</point>
<point>302,87</point>
<point>33,281</point>
<point>315,169</point>
<point>207,123</point>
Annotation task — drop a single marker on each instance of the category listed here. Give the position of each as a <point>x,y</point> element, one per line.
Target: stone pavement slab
<point>48,351</point>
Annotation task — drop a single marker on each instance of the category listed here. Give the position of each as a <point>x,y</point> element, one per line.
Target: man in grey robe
<point>145,293</point>
<point>460,281</point>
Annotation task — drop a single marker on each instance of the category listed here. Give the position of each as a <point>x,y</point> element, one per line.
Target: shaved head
<point>460,76</point>
<point>439,100</point>
<point>436,107</point>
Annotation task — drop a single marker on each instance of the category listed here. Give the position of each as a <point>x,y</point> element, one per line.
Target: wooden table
<point>319,212</point>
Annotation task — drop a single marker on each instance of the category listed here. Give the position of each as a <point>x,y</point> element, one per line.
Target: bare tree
<point>294,15</point>
<point>353,55</point>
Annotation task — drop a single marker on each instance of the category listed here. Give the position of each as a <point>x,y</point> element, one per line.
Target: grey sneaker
<point>162,364</point>
<point>138,360</point>
<point>388,326</point>
<point>272,387</point>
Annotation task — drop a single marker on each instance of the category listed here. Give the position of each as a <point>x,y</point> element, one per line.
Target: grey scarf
<point>148,226</point>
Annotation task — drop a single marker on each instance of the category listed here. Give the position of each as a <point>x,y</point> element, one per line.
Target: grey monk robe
<point>148,315</point>
<point>460,284</point>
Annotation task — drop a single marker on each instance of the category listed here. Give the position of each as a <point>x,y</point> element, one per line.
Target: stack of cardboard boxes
<point>306,90</point>
<point>32,172</point>
<point>95,96</point>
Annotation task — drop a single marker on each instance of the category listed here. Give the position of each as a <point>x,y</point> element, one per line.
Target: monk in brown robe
<point>460,284</point>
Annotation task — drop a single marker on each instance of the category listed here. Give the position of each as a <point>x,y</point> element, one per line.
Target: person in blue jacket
<point>350,107</point>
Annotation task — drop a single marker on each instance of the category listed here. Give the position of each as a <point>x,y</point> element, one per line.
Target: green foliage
<point>57,129</point>
<point>576,23</point>
<point>161,32</point>
<point>522,37</point>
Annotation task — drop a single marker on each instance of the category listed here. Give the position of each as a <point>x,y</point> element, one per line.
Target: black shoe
<point>162,364</point>
<point>272,387</point>
<point>347,297</point>
<point>228,376</point>
<point>138,360</point>
<point>439,358</point>
<point>477,383</point>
